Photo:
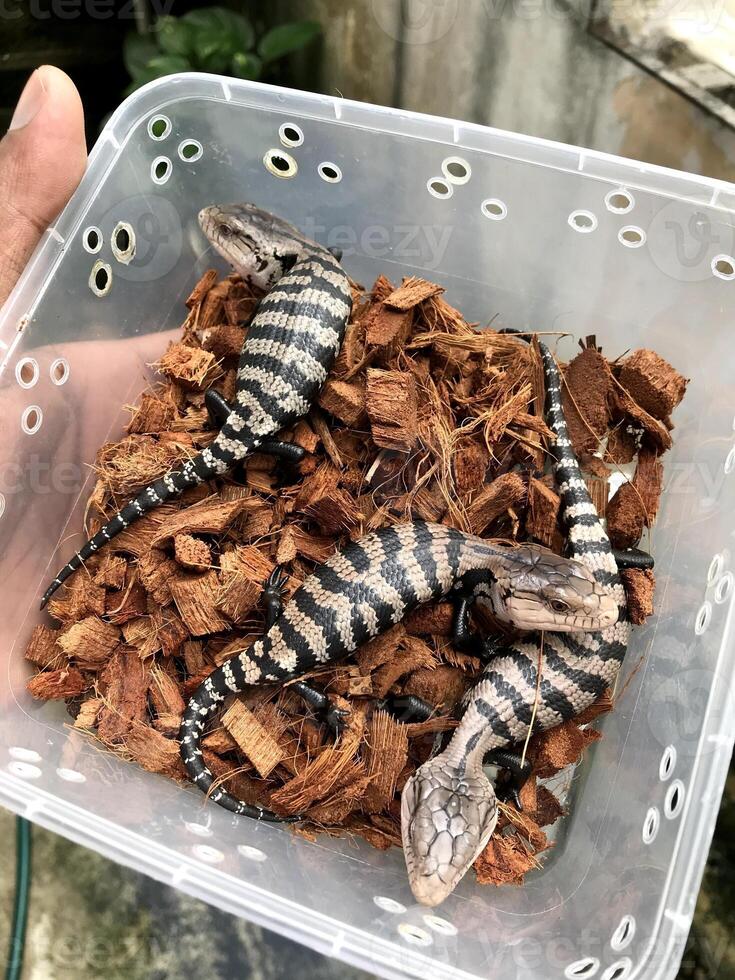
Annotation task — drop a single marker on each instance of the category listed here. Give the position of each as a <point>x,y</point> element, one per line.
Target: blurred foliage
<point>213,39</point>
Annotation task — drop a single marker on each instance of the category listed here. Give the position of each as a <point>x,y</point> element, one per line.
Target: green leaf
<point>211,55</point>
<point>175,36</point>
<point>246,65</point>
<point>166,64</point>
<point>138,49</point>
<point>142,78</point>
<point>233,30</point>
<point>286,38</point>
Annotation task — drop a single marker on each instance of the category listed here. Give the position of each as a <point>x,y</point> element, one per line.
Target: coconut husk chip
<point>422,416</point>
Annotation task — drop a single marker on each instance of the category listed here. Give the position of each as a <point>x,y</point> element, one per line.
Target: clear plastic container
<point>533,234</point>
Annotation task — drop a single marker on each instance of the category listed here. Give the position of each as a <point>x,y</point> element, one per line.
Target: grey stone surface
<point>525,65</point>
<point>91,918</point>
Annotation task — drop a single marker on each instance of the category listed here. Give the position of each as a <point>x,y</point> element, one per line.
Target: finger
<point>42,158</point>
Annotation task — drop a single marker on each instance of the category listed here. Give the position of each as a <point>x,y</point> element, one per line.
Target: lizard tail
<point>203,467</point>
<point>587,540</point>
<point>228,679</point>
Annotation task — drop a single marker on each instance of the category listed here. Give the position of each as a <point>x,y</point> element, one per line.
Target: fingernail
<point>31,99</point>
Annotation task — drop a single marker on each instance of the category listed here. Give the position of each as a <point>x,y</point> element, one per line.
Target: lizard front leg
<point>518,769</point>
<point>218,409</point>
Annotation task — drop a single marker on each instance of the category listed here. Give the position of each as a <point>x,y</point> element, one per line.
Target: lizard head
<point>447,818</point>
<point>258,244</point>
<point>539,590</point>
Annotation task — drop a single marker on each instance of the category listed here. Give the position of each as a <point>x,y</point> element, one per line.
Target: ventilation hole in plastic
<point>100,278</point>
<point>619,201</point>
<point>443,926</point>
<point>631,236</point>
<point>159,127</point>
<point>619,970</point>
<point>26,372</point>
<point>415,935</point>
<point>2,504</point>
<point>703,618</point>
<point>280,163</point>
<point>494,209</point>
<point>23,755</point>
<point>580,969</point>
<point>190,151</point>
<point>674,802</point>
<point>456,170</point>
<point>651,825</point>
<point>715,569</point>
<point>206,853</point>
<point>59,371</point>
<point>389,905</point>
<point>623,935</point>
<point>71,776</point>
<point>438,187</point>
<point>161,170</point>
<point>730,461</point>
<point>30,420</point>
<point>92,239</point>
<point>583,221</point>
<point>290,134</point>
<point>723,589</point>
<point>667,764</point>
<point>723,266</point>
<point>198,829</point>
<point>123,242</point>
<point>251,853</point>
<point>330,172</point>
<point>24,769</point>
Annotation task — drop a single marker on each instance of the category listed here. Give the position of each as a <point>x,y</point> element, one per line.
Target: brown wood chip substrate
<point>424,416</point>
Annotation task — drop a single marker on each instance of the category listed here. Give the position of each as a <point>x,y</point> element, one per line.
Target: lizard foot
<point>517,771</point>
<point>407,708</point>
<point>334,718</point>
<point>273,595</point>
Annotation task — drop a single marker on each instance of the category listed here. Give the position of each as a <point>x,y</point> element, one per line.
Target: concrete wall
<point>524,65</point>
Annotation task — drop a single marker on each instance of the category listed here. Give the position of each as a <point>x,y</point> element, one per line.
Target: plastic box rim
<point>351,944</point>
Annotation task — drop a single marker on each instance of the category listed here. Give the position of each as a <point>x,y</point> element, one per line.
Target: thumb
<point>42,158</point>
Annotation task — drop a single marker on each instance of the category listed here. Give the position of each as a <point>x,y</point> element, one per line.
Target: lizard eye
<point>558,605</point>
<point>225,230</point>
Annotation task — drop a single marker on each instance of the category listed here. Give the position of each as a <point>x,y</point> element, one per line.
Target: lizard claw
<point>336,719</point>
<point>273,595</point>
<point>276,580</point>
<point>509,793</point>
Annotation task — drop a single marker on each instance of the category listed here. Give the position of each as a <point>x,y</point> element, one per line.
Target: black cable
<point>14,966</point>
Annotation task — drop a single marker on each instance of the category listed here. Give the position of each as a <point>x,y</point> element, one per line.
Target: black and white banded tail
<point>171,485</point>
<point>587,540</point>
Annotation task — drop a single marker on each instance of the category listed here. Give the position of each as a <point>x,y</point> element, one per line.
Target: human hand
<point>43,156</point>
